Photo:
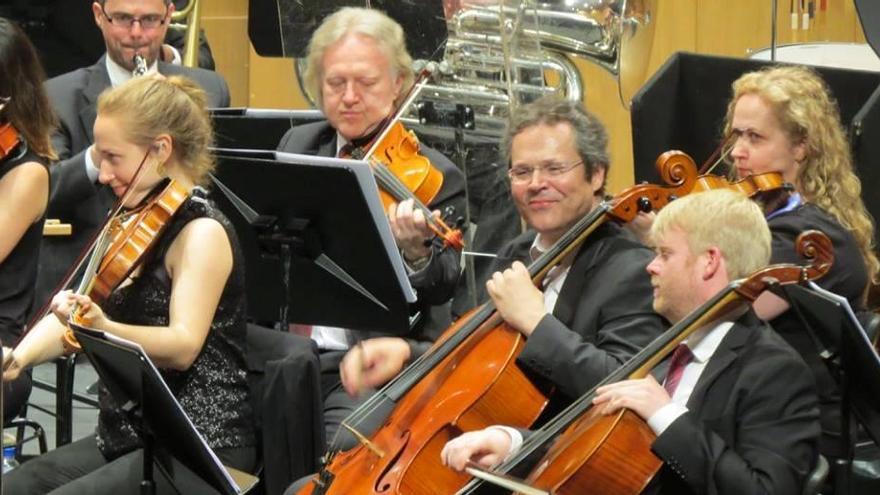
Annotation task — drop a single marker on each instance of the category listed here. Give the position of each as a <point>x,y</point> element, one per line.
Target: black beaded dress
<point>213,391</point>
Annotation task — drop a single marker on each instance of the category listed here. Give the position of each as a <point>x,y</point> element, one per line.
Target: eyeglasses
<point>126,21</point>
<point>522,174</point>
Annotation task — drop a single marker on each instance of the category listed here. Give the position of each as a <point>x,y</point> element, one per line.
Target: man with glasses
<point>593,311</point>
<point>129,27</point>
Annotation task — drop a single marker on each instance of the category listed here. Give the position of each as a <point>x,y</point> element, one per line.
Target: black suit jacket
<point>74,199</point>
<point>603,315</point>
<point>434,284</point>
<point>753,421</point>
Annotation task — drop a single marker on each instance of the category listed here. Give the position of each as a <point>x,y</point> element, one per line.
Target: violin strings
<point>392,184</point>
<point>724,149</point>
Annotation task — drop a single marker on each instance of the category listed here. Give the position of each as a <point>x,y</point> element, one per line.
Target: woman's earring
<point>160,169</point>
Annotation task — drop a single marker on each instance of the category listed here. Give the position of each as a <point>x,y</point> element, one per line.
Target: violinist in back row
<point>785,120</point>
<point>359,72</point>
<point>183,302</point>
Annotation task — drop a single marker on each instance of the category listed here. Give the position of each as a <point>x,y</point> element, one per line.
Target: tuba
<point>500,54</point>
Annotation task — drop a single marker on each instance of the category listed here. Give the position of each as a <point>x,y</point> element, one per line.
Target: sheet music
<point>843,303</point>
<point>365,178</point>
<point>134,345</point>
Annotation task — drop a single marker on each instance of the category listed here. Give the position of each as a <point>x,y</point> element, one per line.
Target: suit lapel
<point>327,144</point>
<point>724,357</point>
<point>98,81</point>
<point>578,274</point>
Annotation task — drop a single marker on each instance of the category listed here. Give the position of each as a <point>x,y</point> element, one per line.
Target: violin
<point>468,379</point>
<point>595,453</point>
<point>769,189</point>
<point>10,140</point>
<point>403,173</point>
<point>122,246</point>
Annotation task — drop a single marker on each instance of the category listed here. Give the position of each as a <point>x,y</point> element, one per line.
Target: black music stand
<point>317,244</point>
<point>845,348</point>
<point>163,426</point>
<point>283,28</point>
<point>256,128</point>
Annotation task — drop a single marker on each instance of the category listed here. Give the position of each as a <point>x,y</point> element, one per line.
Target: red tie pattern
<point>680,359</point>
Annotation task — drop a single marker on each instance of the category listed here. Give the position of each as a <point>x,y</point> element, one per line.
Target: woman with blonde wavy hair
<point>784,119</point>
<point>184,303</point>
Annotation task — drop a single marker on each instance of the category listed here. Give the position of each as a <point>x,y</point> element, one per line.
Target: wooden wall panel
<point>225,25</point>
<point>273,83</point>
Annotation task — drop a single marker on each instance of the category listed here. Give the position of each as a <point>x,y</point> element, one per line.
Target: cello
<point>469,378</point>
<point>611,454</point>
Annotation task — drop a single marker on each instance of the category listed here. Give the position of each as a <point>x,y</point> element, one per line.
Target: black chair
<point>65,368</point>
<point>284,380</point>
<point>817,477</point>
<point>21,424</point>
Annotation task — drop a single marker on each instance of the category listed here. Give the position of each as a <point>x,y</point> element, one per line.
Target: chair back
<point>284,381</point>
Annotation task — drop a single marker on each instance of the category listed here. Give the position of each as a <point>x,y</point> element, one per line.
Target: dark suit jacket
<point>847,277</point>
<point>74,199</point>
<point>283,378</point>
<point>603,316</point>
<point>434,284</point>
<point>753,421</point>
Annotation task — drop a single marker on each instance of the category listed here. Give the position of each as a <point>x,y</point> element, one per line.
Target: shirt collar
<point>705,341</point>
<point>119,75</point>
<point>794,201</point>
<point>538,247</point>
<point>340,142</point>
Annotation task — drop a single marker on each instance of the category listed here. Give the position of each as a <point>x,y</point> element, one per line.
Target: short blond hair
<point>177,106</point>
<point>722,218</point>
<point>356,20</point>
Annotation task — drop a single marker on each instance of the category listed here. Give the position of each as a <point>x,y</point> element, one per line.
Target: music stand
<point>283,28</point>
<point>844,347</point>
<point>317,244</point>
<point>163,426</point>
<point>256,128</point>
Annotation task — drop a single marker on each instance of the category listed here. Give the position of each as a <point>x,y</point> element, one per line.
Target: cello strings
<point>425,363</point>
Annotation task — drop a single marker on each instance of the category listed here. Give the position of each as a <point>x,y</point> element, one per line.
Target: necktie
<point>345,151</point>
<point>680,358</point>
<point>300,329</point>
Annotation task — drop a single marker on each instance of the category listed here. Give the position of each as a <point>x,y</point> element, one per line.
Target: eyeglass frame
<point>561,170</point>
<point>132,19</point>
